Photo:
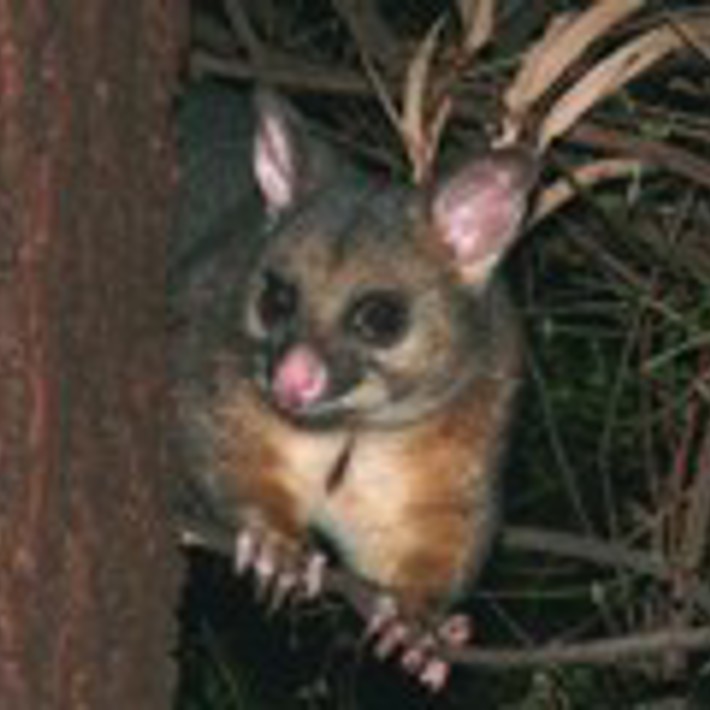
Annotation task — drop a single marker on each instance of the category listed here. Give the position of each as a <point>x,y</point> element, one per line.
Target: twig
<point>562,459</point>
<point>283,71</point>
<point>670,157</point>
<point>695,539</point>
<point>584,549</point>
<point>370,31</point>
<point>244,31</point>
<point>554,196</point>
<point>602,652</point>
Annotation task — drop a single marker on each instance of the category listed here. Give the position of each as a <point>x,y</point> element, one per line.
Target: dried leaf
<point>413,121</point>
<point>608,76</point>
<point>436,128</point>
<point>477,19</point>
<point>562,191</point>
<point>566,39</point>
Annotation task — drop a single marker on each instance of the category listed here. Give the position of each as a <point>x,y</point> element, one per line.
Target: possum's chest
<point>377,506</point>
<point>389,502</point>
<point>345,485</point>
<point>365,502</point>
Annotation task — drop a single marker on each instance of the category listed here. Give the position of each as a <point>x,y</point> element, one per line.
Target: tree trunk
<point>88,570</point>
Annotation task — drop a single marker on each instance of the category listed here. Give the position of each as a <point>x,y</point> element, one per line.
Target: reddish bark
<point>87,567</point>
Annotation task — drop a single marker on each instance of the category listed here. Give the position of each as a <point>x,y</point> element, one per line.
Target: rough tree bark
<point>87,567</point>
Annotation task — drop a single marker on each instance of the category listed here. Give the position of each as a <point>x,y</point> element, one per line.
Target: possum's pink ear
<point>478,211</point>
<point>288,162</point>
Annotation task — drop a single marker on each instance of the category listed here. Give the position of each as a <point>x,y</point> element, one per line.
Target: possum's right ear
<point>288,162</point>
<point>479,210</point>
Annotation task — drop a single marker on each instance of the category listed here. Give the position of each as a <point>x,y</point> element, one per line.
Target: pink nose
<point>300,379</point>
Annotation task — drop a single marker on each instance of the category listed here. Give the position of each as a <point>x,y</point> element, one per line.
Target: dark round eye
<point>379,318</point>
<point>278,300</point>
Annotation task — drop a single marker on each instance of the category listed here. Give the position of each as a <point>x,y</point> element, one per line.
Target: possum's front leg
<point>414,512</point>
<point>268,475</point>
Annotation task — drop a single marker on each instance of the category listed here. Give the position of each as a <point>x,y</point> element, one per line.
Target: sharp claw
<point>278,569</point>
<point>435,674</point>
<point>456,631</point>
<point>265,570</point>
<point>392,638</point>
<point>413,659</point>
<point>385,612</point>
<point>416,656</point>
<point>244,551</point>
<point>313,578</point>
<point>284,584</point>
<point>265,566</point>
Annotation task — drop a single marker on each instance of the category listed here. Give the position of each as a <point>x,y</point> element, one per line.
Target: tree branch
<point>598,552</point>
<point>601,652</point>
<point>361,595</point>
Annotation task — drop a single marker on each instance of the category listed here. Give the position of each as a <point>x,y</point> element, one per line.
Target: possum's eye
<point>379,318</point>
<point>278,300</point>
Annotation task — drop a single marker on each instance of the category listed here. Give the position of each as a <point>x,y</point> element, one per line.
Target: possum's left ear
<point>288,161</point>
<point>477,213</point>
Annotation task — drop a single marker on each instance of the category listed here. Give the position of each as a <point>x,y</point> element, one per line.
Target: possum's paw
<point>282,570</point>
<point>418,646</point>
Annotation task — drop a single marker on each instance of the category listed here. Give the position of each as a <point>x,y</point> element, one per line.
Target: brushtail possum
<point>346,355</point>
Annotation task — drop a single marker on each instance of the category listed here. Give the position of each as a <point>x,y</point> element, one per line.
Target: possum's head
<point>374,303</point>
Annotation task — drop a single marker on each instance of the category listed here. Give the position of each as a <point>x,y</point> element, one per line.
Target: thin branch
<point>697,528</point>
<point>559,451</point>
<point>371,32</point>
<point>362,596</point>
<point>244,31</point>
<point>673,158</point>
<point>283,71</point>
<point>564,190</point>
<point>603,652</point>
<point>519,538</point>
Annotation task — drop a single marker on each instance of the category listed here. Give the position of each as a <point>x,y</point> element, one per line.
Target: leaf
<point>413,121</point>
<point>477,20</point>
<point>567,38</point>
<point>562,191</point>
<point>607,77</point>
